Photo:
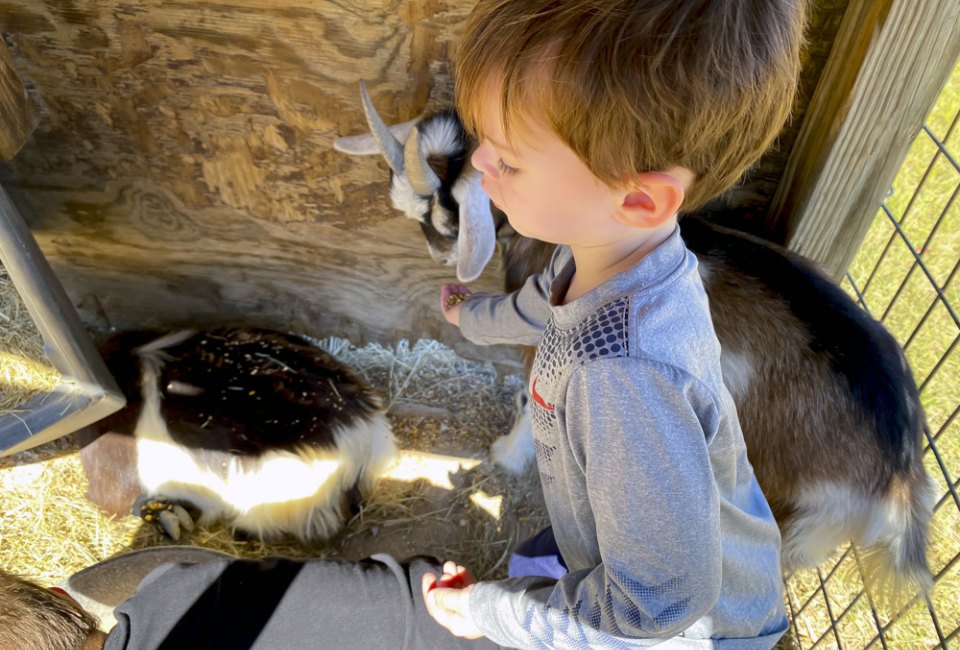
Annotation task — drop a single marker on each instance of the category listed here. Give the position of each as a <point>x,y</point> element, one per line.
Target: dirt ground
<point>443,498</point>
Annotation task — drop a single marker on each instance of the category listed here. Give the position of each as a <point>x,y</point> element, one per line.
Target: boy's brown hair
<point>703,84</point>
<point>35,618</point>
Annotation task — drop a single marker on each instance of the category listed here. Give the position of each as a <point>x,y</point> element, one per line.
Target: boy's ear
<point>653,198</point>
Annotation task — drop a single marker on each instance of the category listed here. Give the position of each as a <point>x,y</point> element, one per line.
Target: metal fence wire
<point>904,276</point>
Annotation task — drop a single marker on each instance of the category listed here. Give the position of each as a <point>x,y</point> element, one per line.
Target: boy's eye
<point>505,169</point>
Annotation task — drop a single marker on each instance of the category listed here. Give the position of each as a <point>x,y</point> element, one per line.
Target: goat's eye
<point>505,169</point>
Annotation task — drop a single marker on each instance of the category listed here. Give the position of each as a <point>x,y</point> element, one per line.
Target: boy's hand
<point>446,600</point>
<point>451,295</point>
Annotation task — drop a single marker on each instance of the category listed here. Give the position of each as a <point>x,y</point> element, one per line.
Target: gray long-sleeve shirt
<point>653,502</point>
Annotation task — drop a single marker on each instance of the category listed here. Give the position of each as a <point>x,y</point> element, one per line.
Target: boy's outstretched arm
<point>516,318</point>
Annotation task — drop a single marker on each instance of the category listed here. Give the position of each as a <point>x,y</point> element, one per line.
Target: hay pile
<point>24,369</point>
<point>441,404</point>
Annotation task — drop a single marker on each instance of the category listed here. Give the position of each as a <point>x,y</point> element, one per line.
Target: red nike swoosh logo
<point>537,398</point>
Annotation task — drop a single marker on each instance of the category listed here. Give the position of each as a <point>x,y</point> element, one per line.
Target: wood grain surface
<point>183,170</point>
<point>17,115</point>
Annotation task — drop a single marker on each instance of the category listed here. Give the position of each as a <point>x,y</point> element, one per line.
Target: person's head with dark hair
<point>36,618</point>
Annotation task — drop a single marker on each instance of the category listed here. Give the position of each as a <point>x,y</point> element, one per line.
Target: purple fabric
<point>537,556</point>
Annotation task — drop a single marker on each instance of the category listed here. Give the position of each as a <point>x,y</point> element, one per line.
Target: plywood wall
<point>182,169</point>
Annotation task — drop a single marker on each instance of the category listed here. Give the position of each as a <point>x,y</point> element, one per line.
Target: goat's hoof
<point>354,500</point>
<point>167,517</point>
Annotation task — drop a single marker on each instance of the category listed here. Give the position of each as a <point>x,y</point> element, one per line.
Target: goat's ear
<point>477,236</point>
<point>365,144</point>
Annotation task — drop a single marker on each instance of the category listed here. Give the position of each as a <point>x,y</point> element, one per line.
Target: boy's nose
<point>484,160</point>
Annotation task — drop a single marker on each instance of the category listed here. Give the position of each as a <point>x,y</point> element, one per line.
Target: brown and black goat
<point>828,406</point>
<point>260,429</point>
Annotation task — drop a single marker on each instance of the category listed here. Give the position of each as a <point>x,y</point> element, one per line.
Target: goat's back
<point>242,391</point>
<point>822,389</point>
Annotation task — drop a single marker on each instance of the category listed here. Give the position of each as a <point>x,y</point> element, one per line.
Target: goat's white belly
<point>299,492</point>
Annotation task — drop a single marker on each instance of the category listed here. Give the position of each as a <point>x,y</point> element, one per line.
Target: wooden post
<point>889,62</point>
<point>17,116</point>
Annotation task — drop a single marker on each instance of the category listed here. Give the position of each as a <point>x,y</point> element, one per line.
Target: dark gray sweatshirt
<point>653,502</point>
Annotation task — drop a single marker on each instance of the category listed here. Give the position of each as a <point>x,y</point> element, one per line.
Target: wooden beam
<point>17,116</point>
<point>889,62</point>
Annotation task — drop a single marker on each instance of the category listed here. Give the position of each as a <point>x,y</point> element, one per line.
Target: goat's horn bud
<point>390,147</point>
<point>423,179</point>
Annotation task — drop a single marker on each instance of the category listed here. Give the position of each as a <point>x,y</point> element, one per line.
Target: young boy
<point>597,123</point>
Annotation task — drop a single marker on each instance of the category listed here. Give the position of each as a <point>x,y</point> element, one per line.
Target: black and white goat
<point>260,429</point>
<point>828,406</point>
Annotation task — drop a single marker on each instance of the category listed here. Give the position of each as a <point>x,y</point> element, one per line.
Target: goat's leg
<point>514,451</point>
<point>168,516</point>
<point>825,515</point>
